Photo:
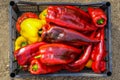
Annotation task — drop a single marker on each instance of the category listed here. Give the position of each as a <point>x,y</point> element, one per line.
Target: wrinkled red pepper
<point>36,67</point>
<point>100,52</point>
<point>54,33</point>
<point>98,16</point>
<point>68,17</point>
<point>53,54</point>
<point>23,17</point>
<point>24,54</point>
<point>79,64</point>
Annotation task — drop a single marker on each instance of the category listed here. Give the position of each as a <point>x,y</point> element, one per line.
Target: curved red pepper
<point>68,18</point>
<point>53,54</point>
<point>81,62</point>
<point>98,16</point>
<point>54,33</point>
<point>100,53</point>
<point>36,67</point>
<point>24,16</point>
<point>24,54</point>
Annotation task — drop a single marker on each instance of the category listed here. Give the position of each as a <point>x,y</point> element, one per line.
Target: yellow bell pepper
<point>20,42</point>
<point>30,29</point>
<point>43,14</point>
<point>89,63</point>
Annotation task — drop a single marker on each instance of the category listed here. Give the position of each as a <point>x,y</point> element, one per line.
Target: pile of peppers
<point>61,38</point>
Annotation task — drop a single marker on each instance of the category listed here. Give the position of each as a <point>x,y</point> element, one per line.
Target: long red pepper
<point>95,46</point>
<point>96,49</point>
<point>54,33</point>
<point>23,55</point>
<point>94,52</point>
<point>98,16</point>
<point>100,53</point>
<point>53,54</point>
<point>36,67</point>
<point>79,64</point>
<point>69,18</point>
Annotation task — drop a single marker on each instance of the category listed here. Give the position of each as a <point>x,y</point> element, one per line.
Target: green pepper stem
<point>35,67</point>
<point>23,44</point>
<point>40,32</point>
<point>20,67</point>
<point>39,56</point>
<point>44,14</point>
<point>100,21</point>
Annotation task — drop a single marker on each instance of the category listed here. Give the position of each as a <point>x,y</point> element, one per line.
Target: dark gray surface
<point>4,43</point>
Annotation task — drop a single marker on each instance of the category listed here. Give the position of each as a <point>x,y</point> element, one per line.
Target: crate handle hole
<point>12,75</point>
<point>109,73</point>
<point>108,4</point>
<point>12,3</point>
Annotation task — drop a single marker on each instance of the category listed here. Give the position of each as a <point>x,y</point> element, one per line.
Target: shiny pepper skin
<point>24,54</point>
<point>100,52</point>
<point>54,54</point>
<point>54,33</point>
<point>79,64</point>
<point>68,17</point>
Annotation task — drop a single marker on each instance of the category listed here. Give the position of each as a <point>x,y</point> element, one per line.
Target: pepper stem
<point>35,67</point>
<point>39,56</point>
<point>40,32</point>
<point>44,14</point>
<point>23,44</point>
<point>100,21</point>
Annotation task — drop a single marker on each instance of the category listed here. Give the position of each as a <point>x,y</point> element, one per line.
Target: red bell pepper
<point>98,16</point>
<point>79,64</point>
<point>36,67</point>
<point>69,18</point>
<point>54,33</point>
<point>53,54</point>
<point>23,17</point>
<point>100,53</point>
<point>24,54</point>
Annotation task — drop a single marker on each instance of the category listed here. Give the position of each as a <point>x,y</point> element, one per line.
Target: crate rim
<point>59,3</point>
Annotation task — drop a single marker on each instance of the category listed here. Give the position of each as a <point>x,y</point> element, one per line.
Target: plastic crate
<point>18,7</point>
